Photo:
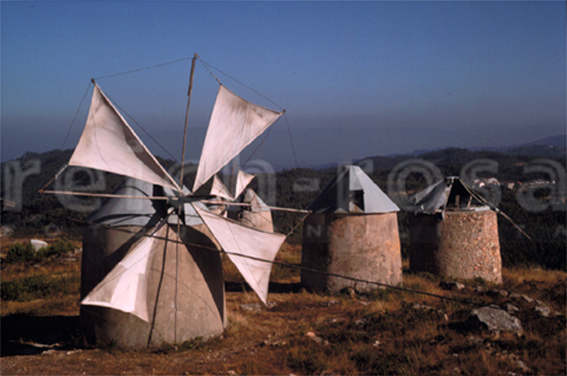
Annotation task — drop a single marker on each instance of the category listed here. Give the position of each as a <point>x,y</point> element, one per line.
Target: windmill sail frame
<point>108,143</point>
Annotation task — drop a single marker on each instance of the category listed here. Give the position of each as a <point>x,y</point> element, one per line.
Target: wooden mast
<point>187,120</point>
<point>180,210</point>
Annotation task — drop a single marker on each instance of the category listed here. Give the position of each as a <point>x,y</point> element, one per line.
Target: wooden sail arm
<point>227,203</point>
<point>105,195</point>
<point>42,190</point>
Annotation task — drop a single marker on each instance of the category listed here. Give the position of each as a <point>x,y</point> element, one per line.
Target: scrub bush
<point>20,253</point>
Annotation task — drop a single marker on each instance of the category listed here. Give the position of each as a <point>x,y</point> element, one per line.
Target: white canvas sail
<point>237,239</point>
<point>242,181</point>
<point>220,190</point>
<point>234,124</point>
<point>259,216</point>
<point>108,143</point>
<point>125,287</point>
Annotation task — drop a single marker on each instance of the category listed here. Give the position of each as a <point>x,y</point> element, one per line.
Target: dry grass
<point>61,276</point>
<point>380,332</point>
<point>288,254</point>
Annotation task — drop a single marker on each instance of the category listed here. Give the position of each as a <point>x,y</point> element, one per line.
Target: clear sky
<point>370,78</point>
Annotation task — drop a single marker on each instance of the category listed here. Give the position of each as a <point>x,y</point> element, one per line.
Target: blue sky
<point>413,75</point>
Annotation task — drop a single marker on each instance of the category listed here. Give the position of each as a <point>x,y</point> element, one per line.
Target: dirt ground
<point>380,332</point>
<point>253,334</point>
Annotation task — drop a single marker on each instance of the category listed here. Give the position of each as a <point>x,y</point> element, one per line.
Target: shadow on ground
<point>30,335</point>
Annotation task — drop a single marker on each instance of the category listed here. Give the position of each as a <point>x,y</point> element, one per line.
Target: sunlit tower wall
<point>353,231</point>
<point>453,234</point>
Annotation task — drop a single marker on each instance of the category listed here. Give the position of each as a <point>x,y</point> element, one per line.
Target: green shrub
<point>27,254</point>
<point>21,253</point>
<point>60,247</point>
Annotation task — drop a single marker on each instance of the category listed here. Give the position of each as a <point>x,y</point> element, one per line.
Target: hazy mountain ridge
<point>553,146</point>
<point>449,161</point>
<point>51,162</point>
<point>315,145</point>
<point>296,188</point>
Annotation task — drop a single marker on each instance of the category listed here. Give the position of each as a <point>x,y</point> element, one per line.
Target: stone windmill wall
<point>463,245</point>
<point>365,246</point>
<point>353,231</point>
<point>460,242</point>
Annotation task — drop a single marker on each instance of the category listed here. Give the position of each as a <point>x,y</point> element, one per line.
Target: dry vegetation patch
<point>384,331</point>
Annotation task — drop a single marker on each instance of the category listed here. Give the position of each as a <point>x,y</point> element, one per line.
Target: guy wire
<point>238,82</point>
<point>142,128</point>
<point>291,141</point>
<point>209,66</point>
<point>75,117</point>
<point>144,68</point>
<point>279,263</point>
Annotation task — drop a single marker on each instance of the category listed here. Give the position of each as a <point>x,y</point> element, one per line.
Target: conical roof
<point>450,192</point>
<point>352,191</point>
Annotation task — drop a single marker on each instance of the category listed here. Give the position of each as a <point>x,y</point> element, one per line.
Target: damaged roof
<point>450,192</point>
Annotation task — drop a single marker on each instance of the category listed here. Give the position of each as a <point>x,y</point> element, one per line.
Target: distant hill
<point>555,141</point>
<point>36,169</point>
<point>296,188</point>
<point>451,161</point>
<point>549,147</point>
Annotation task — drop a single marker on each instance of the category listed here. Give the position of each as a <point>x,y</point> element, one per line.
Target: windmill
<point>454,232</point>
<point>352,231</point>
<point>151,269</point>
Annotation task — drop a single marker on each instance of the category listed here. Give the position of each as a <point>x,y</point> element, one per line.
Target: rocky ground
<point>511,329</point>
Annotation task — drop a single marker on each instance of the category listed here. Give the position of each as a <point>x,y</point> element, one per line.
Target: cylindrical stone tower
<point>361,246</point>
<point>454,233</point>
<point>352,232</point>
<point>464,244</point>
